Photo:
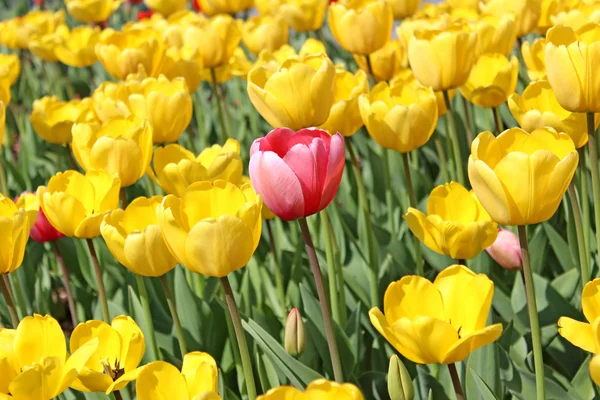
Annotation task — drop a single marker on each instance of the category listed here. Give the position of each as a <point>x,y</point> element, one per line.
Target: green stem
<point>3,184</point>
<point>241,338</point>
<point>99,282</point>
<point>583,256</point>
<point>593,149</point>
<point>10,304</point>
<point>118,395</point>
<point>329,332</point>
<point>469,130</point>
<point>451,130</point>
<point>339,273</point>
<point>536,337</point>
<point>585,198</point>
<point>278,277</point>
<point>18,292</point>
<point>141,286</point>
<point>66,282</point>
<point>331,273</point>
<point>439,147</point>
<point>68,87</point>
<point>389,196</point>
<point>498,120</point>
<point>456,382</point>
<point>413,204</point>
<point>215,91</point>
<point>174,315</point>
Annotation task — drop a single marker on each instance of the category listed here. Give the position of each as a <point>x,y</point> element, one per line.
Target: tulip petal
<point>109,347</point>
<point>578,333</point>
<point>38,337</point>
<point>468,344</point>
<point>39,382</point>
<point>490,191</point>
<point>205,200</point>
<point>427,336</point>
<point>114,235</point>
<point>132,339</point>
<point>411,297</point>
<point>380,323</point>
<point>124,380</point>
<point>422,227</point>
<point>335,170</point>
<point>173,226</point>
<point>161,380</point>
<point>558,183</point>
<point>89,380</point>
<point>55,206</point>
<point>473,239</point>
<point>106,191</point>
<point>200,373</point>
<point>590,300</point>
<point>147,253</point>
<point>89,228</point>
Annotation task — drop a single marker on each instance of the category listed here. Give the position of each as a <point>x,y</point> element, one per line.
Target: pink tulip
<point>506,250</point>
<point>297,173</point>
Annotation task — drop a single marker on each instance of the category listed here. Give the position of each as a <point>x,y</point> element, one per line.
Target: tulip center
<point>114,372</point>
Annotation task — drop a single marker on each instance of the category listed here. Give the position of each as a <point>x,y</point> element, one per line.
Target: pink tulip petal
<point>279,140</point>
<point>335,169</point>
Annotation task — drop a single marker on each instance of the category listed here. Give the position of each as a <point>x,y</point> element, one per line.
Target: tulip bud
<point>295,335</point>
<point>506,250</point>
<point>400,386</point>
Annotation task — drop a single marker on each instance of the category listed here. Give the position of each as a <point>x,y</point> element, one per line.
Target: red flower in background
<point>144,14</point>
<point>196,5</point>
<point>42,231</point>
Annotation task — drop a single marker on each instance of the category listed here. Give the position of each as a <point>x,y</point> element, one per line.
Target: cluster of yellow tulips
<point>489,107</point>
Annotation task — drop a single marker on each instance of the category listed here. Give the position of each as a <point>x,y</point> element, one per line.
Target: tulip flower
<point>506,250</point>
<point>386,62</point>
<point>319,389</point>
<point>406,30</point>
<point>581,334</point>
<point>10,67</point>
<point>363,26</point>
<point>535,59</point>
<point>2,121</point>
<point>297,173</point>
<point>90,11</point>
<point>121,347</point>
<point>166,7</point>
<point>495,35</point>
<point>442,60</point>
<point>10,33</point>
<point>455,224</point>
<point>238,65</point>
<point>218,38</point>
<point>577,15</point>
<point>197,380</point>
<point>299,94</point>
<point>135,240</point>
<point>78,48</point>
<point>400,385</point>
<point>5,96</point>
<point>121,147</point>
<point>35,24</point>
<point>519,177</point>
<point>401,117</point>
<point>176,168</point>
<point>440,322</point>
<point>525,12</point>
<point>44,46</point>
<point>309,47</point>
<point>404,8</point>
<point>214,7</point>
<point>594,365</point>
<point>184,63</point>
<point>406,77</point>
<point>41,229</point>
<point>14,235</point>
<point>303,15</point>
<point>38,362</point>
<point>121,53</point>
<point>110,100</point>
<point>538,107</point>
<point>295,333</point>
<point>492,79</point>
<point>53,119</point>
<point>344,116</point>
<point>75,204</point>
<point>264,33</point>
<point>209,240</point>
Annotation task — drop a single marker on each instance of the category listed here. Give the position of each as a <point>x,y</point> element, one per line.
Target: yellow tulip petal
<point>124,380</point>
<point>490,191</point>
<point>578,333</point>
<point>90,227</point>
<point>383,327</point>
<point>473,239</point>
<point>285,393</point>
<point>200,373</point>
<point>204,200</point>
<point>429,337</point>
<point>41,381</point>
<point>160,380</point>
<point>114,235</point>
<point>133,344</point>
<point>423,229</point>
<point>109,346</point>
<point>467,344</point>
<point>89,380</point>
<point>322,389</point>
<point>147,253</point>
<point>38,337</point>
<point>590,300</point>
<point>174,226</point>
<point>411,297</point>
<point>75,363</point>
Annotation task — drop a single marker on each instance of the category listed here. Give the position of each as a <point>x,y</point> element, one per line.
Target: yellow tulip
<point>214,228</point>
<point>2,121</point>
<point>571,58</point>
<point>10,33</point>
<point>584,334</point>
<point>578,16</point>
<point>75,204</point>
<point>525,12</point>
<point>537,108</point>
<point>53,119</point>
<point>400,118</point>
<point>78,49</point>
<point>166,7</point>
<point>186,63</point>
<point>14,235</point>
<point>198,379</point>
<point>519,177</point>
<point>303,15</point>
<point>406,30</point>
<point>120,147</point>
<point>319,389</point>
<point>535,59</point>
<point>121,53</point>
<point>40,353</point>
<point>386,62</point>
<point>37,24</point>
<point>268,7</point>
<point>404,8</point>
<point>344,116</point>
<point>548,9</point>
<point>361,26</point>
<point>217,39</point>
<point>44,46</point>
<point>5,91</point>
<point>495,35</point>
<point>90,11</point>
<point>442,60</point>
<point>406,77</point>
<point>463,4</point>
<point>455,224</point>
<point>176,168</point>
<point>264,33</point>
<point>110,100</point>
<point>10,67</point>
<point>9,364</point>
<point>214,7</point>
<point>440,322</point>
<point>298,94</point>
<point>120,349</point>
<point>492,79</point>
<point>276,58</point>
<point>135,240</point>
<point>266,213</point>
<point>238,65</point>
<point>594,366</point>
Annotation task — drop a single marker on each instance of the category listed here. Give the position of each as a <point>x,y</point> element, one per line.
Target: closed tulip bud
<point>14,235</point>
<point>442,60</point>
<point>121,53</point>
<point>53,119</point>
<point>571,58</point>
<point>10,67</point>
<point>214,7</point>
<point>506,173</point>
<point>361,26</point>
<point>176,168</point>
<point>400,386</point>
<point>121,147</point>
<point>526,13</point>
<point>506,250</point>
<point>311,80</point>
<point>36,24</point>
<point>319,389</point>
<point>455,306</point>
<point>297,173</point>
<point>344,116</point>
<point>90,11</point>
<point>404,8</point>
<point>75,204</point>
<point>166,7</point>
<point>386,62</point>
<point>537,108</point>
<point>212,241</point>
<point>400,118</point>
<point>41,229</point>
<point>535,59</point>
<point>218,38</point>
<point>78,49</point>
<point>295,333</point>
<point>264,33</point>
<point>44,46</point>
<point>303,15</point>
<point>495,35</point>
<point>492,79</point>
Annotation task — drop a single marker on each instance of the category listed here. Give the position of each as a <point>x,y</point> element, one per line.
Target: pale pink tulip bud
<point>295,334</point>
<point>506,250</point>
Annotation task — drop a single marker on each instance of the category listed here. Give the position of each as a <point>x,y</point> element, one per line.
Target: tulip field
<point>299,200</point>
